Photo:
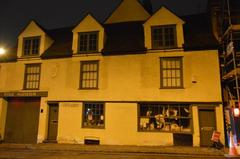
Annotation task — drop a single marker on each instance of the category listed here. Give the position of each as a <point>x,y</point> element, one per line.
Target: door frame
<point>212,107</point>
<point>48,121</point>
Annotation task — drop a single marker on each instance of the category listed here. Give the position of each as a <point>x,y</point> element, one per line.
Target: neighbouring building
<point>138,78</point>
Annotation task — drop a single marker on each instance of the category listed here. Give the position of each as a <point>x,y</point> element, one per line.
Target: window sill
<point>30,56</point>
<point>171,88</point>
<point>88,89</point>
<point>88,52</point>
<point>162,131</point>
<point>166,48</point>
<point>92,127</point>
<point>24,89</point>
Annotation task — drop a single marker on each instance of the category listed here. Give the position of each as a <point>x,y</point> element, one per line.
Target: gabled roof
<point>168,12</point>
<point>83,18</point>
<point>125,11</point>
<point>41,27</point>
<point>62,45</point>
<point>198,34</point>
<point>128,38</point>
<point>124,38</point>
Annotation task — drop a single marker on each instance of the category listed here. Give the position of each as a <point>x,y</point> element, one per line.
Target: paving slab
<point>120,149</point>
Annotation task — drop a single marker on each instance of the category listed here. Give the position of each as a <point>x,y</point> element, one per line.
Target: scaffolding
<point>230,55</point>
<point>230,63</point>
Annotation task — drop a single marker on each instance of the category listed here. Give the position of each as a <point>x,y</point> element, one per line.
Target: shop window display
<point>164,117</point>
<point>93,115</point>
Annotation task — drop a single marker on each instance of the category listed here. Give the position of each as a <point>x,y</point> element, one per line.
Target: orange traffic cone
<point>232,150</point>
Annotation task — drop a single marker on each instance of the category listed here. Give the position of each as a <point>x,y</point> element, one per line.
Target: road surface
<point>45,154</point>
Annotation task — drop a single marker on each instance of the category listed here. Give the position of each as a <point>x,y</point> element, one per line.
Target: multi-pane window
<point>171,72</point>
<point>89,74</point>
<point>31,46</point>
<point>32,76</point>
<point>164,37</point>
<point>164,117</point>
<point>88,42</point>
<point>93,115</point>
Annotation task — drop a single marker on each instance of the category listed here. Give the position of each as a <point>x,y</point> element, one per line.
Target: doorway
<point>22,120</point>
<point>52,122</point>
<point>207,124</point>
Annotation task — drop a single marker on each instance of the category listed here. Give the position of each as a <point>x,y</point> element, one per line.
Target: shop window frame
<point>139,116</point>
<point>84,117</point>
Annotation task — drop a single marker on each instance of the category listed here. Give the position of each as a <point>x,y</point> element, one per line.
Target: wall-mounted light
<point>2,51</point>
<point>236,112</point>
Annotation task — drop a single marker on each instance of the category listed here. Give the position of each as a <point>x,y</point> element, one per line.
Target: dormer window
<point>88,41</point>
<point>164,37</point>
<point>31,46</point>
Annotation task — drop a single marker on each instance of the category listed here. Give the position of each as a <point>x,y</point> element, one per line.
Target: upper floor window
<point>32,76</point>
<point>171,72</point>
<point>31,46</point>
<point>89,75</point>
<point>88,42</point>
<point>164,37</point>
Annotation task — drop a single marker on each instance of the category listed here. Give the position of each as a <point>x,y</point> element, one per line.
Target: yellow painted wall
<point>88,24</point>
<point>120,126</point>
<point>196,131</point>
<point>43,121</point>
<point>128,10</point>
<point>3,114</point>
<point>30,31</point>
<point>130,77</point>
<point>121,78</point>
<point>163,17</point>
<point>220,122</point>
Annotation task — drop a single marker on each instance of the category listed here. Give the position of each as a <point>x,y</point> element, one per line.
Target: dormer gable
<point>33,41</point>
<point>128,10</point>
<point>88,36</point>
<point>164,23</point>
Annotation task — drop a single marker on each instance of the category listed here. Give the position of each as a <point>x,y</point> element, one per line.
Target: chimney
<point>148,6</point>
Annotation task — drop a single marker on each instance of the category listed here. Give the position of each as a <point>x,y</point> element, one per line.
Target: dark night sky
<point>15,14</point>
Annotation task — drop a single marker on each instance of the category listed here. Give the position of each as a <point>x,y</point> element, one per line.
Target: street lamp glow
<point>2,51</point>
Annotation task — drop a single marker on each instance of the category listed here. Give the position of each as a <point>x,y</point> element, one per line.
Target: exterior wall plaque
<point>24,94</point>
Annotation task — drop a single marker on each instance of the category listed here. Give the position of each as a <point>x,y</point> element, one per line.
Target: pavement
<point>180,150</point>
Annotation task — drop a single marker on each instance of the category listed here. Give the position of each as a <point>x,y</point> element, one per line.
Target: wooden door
<point>53,122</point>
<point>207,124</point>
<point>22,120</point>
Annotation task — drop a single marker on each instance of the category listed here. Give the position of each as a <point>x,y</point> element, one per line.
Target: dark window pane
<point>88,41</point>
<point>164,37</point>
<point>31,46</point>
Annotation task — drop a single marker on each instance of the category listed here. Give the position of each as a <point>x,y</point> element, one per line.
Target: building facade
<point>135,79</point>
